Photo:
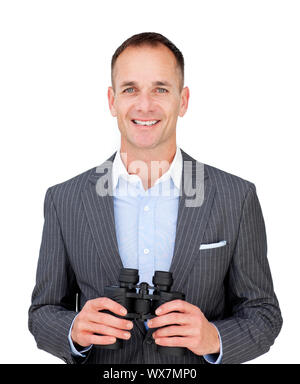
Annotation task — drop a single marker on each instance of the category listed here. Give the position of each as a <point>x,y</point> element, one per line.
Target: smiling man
<point>141,217</point>
<point>147,97</point>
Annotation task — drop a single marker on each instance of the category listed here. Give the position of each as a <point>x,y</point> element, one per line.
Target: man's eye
<point>162,90</point>
<point>128,90</point>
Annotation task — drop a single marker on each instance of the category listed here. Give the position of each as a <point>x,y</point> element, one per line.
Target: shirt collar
<point>174,171</point>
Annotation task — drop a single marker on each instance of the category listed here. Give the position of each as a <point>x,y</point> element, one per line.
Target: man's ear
<point>111,100</point>
<point>184,101</point>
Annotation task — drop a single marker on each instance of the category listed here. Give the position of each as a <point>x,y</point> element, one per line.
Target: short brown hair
<point>152,39</point>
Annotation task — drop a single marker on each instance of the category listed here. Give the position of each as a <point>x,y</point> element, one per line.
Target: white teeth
<point>145,122</point>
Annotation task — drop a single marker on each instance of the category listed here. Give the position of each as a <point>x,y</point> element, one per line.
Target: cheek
<point>172,115</point>
<point>122,108</point>
<point>172,109</point>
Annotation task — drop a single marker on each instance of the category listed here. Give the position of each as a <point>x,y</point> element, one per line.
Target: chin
<point>143,142</point>
<point>145,145</point>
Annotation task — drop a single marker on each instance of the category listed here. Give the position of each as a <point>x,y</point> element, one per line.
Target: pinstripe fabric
<point>232,285</point>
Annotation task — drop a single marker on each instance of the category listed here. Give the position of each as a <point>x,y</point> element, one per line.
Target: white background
<point>242,67</point>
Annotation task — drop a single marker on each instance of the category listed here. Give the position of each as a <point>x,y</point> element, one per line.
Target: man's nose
<point>144,102</point>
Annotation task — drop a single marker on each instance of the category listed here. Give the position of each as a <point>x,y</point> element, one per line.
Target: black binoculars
<point>140,304</point>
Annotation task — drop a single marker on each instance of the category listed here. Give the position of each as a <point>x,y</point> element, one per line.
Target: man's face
<point>147,98</point>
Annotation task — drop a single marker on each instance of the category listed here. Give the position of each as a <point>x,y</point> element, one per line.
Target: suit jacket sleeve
<point>254,319</point>
<point>53,305</point>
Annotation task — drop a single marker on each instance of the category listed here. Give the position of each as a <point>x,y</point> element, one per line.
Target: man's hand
<point>191,327</point>
<point>90,321</point>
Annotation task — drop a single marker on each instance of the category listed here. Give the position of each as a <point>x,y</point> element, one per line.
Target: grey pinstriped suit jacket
<point>232,284</point>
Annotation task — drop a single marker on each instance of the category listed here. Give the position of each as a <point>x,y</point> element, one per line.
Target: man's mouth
<point>148,123</point>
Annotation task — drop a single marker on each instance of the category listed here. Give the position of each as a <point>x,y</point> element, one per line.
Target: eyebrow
<point>134,83</point>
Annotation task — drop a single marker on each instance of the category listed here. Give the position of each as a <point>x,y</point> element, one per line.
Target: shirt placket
<point>146,240</point>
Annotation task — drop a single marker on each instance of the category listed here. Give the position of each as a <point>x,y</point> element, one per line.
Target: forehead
<point>146,64</point>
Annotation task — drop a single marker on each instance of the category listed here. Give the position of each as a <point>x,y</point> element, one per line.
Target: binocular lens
<point>129,275</point>
<point>162,278</point>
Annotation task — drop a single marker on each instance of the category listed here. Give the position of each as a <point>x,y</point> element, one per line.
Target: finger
<point>105,330</point>
<point>169,319</point>
<point>110,320</point>
<point>176,305</point>
<point>102,303</point>
<point>174,341</point>
<point>100,340</point>
<point>173,330</point>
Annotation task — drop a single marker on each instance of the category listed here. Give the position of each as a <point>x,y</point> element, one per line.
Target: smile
<point>148,123</point>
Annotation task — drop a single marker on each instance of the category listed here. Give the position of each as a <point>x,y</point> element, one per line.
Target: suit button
<point>149,341</point>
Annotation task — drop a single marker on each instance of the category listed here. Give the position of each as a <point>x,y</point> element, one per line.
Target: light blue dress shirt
<point>146,223</point>
<point>146,220</point>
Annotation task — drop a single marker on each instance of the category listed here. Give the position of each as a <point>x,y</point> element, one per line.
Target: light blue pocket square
<point>213,245</point>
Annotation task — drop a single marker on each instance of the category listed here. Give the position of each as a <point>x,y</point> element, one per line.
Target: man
<point>136,211</point>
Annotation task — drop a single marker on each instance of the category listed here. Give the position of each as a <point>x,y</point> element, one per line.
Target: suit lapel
<point>191,221</point>
<point>100,215</point>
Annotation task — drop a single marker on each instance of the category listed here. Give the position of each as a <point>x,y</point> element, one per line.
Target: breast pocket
<point>213,259</point>
<point>206,282</point>
<point>219,244</point>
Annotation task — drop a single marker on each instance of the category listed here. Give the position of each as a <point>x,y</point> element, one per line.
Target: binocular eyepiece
<point>140,304</point>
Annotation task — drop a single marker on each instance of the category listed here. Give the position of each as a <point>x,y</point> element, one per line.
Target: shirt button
<point>146,208</point>
<point>146,251</point>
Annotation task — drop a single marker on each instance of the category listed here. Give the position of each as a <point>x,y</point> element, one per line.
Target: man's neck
<point>148,164</point>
